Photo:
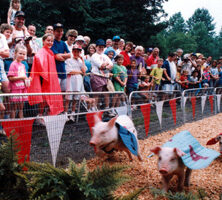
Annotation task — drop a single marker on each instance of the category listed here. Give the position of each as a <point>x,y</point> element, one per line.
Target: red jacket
<point>44,66</point>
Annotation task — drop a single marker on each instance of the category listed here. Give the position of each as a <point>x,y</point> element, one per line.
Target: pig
<point>105,138</point>
<point>216,139</point>
<point>170,164</point>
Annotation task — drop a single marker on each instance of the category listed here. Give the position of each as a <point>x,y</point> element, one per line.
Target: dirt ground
<point>146,174</point>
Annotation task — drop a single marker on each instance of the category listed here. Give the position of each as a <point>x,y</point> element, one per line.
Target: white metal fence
<point>55,137</point>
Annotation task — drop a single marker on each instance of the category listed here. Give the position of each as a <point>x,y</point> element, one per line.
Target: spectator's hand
<point>22,78</point>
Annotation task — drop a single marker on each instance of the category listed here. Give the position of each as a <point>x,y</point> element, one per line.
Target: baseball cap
<point>116,37</point>
<point>57,25</point>
<point>100,42</point>
<point>80,38</point>
<point>20,14</point>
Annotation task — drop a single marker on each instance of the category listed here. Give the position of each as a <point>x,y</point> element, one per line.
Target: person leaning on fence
<point>62,53</point>
<point>214,74</point>
<point>119,80</point>
<point>75,68</point>
<point>206,77</point>
<point>157,74</point>
<point>194,80</point>
<point>169,74</point>
<point>45,80</point>
<point>146,85</point>
<point>18,81</point>
<point>133,76</point>
<point>101,64</point>
<point>184,80</point>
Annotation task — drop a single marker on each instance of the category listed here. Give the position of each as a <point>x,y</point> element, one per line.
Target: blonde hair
<point>19,47</point>
<point>11,4</point>
<point>47,35</point>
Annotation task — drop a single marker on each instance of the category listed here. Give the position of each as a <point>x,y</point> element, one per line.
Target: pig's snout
<point>163,171</point>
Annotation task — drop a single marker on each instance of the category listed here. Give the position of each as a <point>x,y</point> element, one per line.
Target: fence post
<point>215,100</point>
<point>183,106</point>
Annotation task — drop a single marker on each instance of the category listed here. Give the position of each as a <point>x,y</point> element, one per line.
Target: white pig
<point>170,164</point>
<point>105,136</point>
<point>216,139</point>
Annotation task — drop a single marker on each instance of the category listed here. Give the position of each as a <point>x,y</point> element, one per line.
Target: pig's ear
<point>179,152</point>
<point>212,141</point>
<point>111,122</point>
<point>156,150</point>
<point>97,118</point>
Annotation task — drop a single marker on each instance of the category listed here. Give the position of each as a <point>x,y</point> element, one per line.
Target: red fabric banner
<point>90,119</point>
<point>145,109</point>
<point>211,100</point>
<point>193,102</point>
<point>173,107</point>
<point>23,130</point>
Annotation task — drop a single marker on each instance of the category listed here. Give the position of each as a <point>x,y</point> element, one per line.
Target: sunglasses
<point>73,36</point>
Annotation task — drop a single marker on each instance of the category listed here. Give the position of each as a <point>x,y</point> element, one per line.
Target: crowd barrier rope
<point>48,137</point>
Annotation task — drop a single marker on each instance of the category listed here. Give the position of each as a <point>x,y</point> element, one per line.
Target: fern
<point>50,183</point>
<point>178,195</point>
<point>12,185</point>
<point>132,196</point>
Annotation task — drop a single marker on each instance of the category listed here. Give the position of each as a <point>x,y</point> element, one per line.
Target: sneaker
<point>72,116</point>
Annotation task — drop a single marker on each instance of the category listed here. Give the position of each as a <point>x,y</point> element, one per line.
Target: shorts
<point>3,76</point>
<point>72,96</point>
<point>168,87</point>
<point>98,83</point>
<point>62,83</point>
<point>21,98</point>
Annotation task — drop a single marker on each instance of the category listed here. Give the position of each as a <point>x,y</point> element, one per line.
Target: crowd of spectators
<point>48,64</point>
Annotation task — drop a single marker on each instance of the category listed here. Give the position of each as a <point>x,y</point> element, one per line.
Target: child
<point>15,5</point>
<point>157,74</point>
<point>184,80</point>
<point>133,75</point>
<point>7,30</point>
<point>206,76</point>
<point>18,81</point>
<point>119,79</point>
<point>75,68</point>
<point>194,81</point>
<point>146,85</point>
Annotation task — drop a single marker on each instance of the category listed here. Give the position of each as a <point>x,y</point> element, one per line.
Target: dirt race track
<point>145,173</point>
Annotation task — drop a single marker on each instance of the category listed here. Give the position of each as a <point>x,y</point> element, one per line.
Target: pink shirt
<point>17,70</point>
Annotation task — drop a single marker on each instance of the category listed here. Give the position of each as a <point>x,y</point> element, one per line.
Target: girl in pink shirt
<point>18,81</point>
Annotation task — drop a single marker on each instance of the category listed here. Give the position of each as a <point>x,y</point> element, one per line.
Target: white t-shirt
<point>173,71</point>
<point>97,60</point>
<point>3,43</point>
<point>74,82</point>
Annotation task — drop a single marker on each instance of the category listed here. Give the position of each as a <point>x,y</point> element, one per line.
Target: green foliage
<point>179,195</point>
<point>133,20</point>
<point>12,185</point>
<point>176,24</point>
<point>202,15</point>
<point>49,183</point>
<point>195,35</point>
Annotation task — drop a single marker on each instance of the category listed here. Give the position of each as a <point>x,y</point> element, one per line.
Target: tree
<point>202,15</point>
<point>132,20</point>
<point>176,24</point>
